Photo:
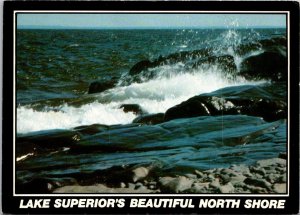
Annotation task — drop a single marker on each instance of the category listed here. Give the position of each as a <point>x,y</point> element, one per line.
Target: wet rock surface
<point>270,63</point>
<point>262,66</point>
<point>105,154</point>
<point>252,101</point>
<point>150,119</point>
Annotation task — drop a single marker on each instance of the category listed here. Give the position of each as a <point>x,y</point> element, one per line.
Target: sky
<point>149,20</point>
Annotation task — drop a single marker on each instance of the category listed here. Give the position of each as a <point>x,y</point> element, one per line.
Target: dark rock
<point>91,129</point>
<point>135,108</point>
<point>190,58</point>
<point>36,186</point>
<point>225,62</point>
<point>247,100</point>
<point>100,86</point>
<point>282,155</point>
<point>43,185</point>
<point>268,65</point>
<point>140,66</point>
<point>271,64</point>
<point>190,108</point>
<point>150,119</point>
<point>45,141</point>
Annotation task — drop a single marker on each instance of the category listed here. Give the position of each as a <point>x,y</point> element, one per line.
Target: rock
<point>243,169</point>
<point>199,188</point>
<point>91,129</point>
<point>44,185</point>
<point>100,188</point>
<point>122,185</point>
<point>267,65</point>
<point>271,162</point>
<point>191,108</point>
<point>215,183</point>
<point>152,185</point>
<point>255,189</point>
<point>221,102</point>
<point>272,177</point>
<point>37,186</point>
<point>199,174</point>
<point>282,178</point>
<point>225,62</point>
<point>175,185</point>
<point>131,186</point>
<point>100,86</point>
<point>228,188</point>
<point>135,108</point>
<point>229,172</point>
<point>191,176</point>
<point>279,188</point>
<point>260,171</point>
<point>140,66</point>
<point>139,173</point>
<point>210,177</point>
<point>237,179</point>
<point>258,182</point>
<point>42,141</point>
<point>139,185</point>
<point>150,119</point>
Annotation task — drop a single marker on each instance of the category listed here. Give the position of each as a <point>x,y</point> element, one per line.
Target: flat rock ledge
<point>265,176</point>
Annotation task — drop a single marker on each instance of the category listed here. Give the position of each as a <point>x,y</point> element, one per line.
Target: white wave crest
<point>153,96</point>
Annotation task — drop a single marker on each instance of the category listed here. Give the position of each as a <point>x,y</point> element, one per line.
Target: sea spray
<point>154,96</point>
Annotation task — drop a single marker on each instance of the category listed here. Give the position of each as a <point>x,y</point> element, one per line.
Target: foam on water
<point>153,96</point>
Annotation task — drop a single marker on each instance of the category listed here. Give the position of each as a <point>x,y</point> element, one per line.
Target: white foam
<point>153,96</point>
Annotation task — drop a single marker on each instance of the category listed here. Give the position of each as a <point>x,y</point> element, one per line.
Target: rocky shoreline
<point>265,176</point>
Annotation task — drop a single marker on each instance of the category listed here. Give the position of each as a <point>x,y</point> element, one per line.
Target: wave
<point>154,96</point>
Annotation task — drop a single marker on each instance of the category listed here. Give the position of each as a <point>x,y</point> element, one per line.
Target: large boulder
<point>247,100</point>
<point>268,65</point>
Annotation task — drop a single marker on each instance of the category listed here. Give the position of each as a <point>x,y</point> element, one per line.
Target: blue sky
<point>149,20</point>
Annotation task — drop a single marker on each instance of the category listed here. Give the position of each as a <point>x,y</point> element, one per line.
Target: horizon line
<point>33,27</point>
